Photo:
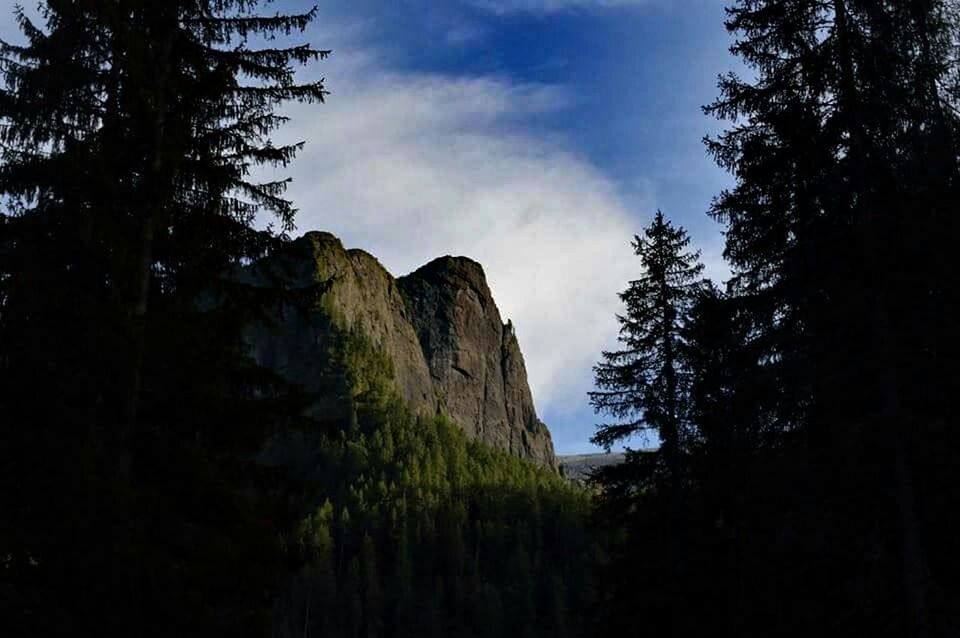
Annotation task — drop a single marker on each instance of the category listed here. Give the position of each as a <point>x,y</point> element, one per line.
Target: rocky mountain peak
<point>440,327</point>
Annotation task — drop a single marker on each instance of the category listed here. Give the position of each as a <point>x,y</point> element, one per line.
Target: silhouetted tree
<point>128,409</point>
<point>816,445</point>
<point>646,384</point>
<point>845,155</point>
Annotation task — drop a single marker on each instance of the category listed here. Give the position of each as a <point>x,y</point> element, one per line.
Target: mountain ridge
<point>439,326</point>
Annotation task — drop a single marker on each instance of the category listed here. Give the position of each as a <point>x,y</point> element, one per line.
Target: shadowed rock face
<point>439,326</point>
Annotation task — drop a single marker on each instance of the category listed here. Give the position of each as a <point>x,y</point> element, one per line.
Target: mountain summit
<point>439,328</point>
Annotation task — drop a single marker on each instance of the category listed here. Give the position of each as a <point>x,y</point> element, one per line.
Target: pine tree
<point>727,403</point>
<point>845,155</point>
<point>644,385</point>
<point>130,130</point>
<point>372,593</point>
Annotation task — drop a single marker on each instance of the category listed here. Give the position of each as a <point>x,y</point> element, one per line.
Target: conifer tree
<point>844,151</point>
<point>644,385</point>
<point>130,131</point>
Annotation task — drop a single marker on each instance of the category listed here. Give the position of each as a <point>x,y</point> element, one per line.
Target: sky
<point>534,136</point>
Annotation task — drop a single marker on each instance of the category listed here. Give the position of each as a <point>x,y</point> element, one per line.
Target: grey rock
<point>474,358</point>
<point>439,326</point>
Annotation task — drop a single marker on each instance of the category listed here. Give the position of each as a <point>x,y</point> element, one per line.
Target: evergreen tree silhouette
<point>128,408</point>
<point>844,151</point>
<point>646,384</point>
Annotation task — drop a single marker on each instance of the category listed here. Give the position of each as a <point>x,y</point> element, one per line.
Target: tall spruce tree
<point>845,156</point>
<point>645,386</point>
<point>130,130</point>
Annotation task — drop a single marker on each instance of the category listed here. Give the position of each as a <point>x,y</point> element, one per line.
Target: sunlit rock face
<point>439,327</point>
<point>475,361</point>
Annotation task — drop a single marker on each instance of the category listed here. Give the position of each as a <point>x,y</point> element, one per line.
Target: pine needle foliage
<point>647,386</point>
<point>644,385</point>
<point>410,528</point>
<point>845,151</point>
<point>132,138</point>
<point>819,452</point>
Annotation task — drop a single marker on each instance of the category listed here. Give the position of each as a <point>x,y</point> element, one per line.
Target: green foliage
<point>413,529</point>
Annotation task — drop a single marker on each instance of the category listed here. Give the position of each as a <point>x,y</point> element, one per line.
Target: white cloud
<point>411,166</point>
<point>550,6</point>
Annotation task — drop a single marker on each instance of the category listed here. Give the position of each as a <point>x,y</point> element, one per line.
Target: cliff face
<point>474,359</point>
<point>439,326</point>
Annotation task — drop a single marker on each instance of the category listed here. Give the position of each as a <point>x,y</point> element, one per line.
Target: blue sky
<point>536,136</point>
<point>637,72</point>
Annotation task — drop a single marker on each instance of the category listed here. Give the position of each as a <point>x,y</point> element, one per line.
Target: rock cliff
<point>439,327</point>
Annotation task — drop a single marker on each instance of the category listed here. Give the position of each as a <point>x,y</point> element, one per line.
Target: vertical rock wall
<point>474,359</point>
